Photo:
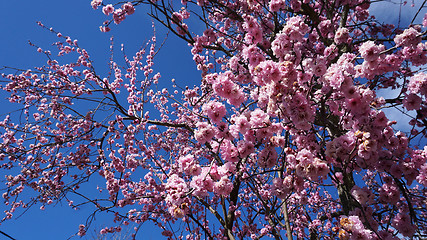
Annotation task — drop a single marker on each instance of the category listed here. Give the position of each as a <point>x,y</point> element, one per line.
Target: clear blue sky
<point>79,21</point>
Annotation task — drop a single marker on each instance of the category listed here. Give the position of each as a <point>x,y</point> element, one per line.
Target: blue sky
<point>79,21</point>
<point>388,11</point>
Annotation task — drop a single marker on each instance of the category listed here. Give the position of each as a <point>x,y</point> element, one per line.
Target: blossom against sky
<point>78,20</point>
<point>81,22</point>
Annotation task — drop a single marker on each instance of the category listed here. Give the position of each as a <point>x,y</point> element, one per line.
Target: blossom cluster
<point>286,132</point>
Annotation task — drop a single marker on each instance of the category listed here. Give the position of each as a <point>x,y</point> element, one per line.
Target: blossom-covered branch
<point>286,134</point>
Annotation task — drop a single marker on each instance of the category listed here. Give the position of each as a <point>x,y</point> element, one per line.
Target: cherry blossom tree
<point>285,135</point>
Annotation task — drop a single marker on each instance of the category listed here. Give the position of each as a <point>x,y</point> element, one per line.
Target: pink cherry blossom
<point>215,111</point>
<point>412,102</point>
<point>409,37</point>
<point>128,8</point>
<point>108,9</point>
<point>223,186</point>
<point>418,84</point>
<point>96,3</point>
<point>288,133</point>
